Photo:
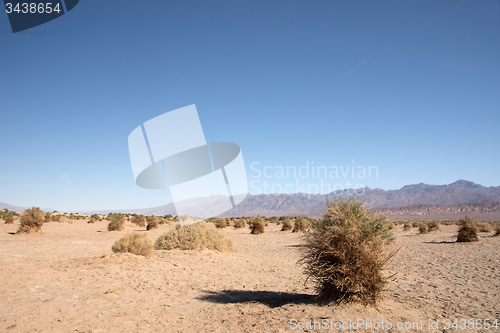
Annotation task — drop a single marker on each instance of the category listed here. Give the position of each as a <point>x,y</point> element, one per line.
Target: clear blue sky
<point>411,87</point>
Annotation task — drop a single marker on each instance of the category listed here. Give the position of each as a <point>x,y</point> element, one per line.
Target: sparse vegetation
<point>423,229</point>
<point>139,220</point>
<point>391,225</point>
<point>48,217</point>
<point>91,220</point>
<point>485,227</point>
<point>196,236</point>
<point>116,223</point>
<point>468,230</point>
<point>257,225</point>
<point>136,243</point>
<point>31,221</point>
<point>407,226</point>
<point>344,253</point>
<point>434,226</point>
<point>9,219</point>
<point>220,223</point>
<point>497,230</point>
<point>240,223</point>
<point>301,224</point>
<point>152,222</point>
<point>286,225</point>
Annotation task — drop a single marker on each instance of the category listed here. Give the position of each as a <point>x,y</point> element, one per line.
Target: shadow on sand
<point>442,242</point>
<point>270,298</point>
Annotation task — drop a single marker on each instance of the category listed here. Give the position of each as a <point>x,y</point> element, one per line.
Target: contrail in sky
<point>463,3</point>
<point>359,65</point>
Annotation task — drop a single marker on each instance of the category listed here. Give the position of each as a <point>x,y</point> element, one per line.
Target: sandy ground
<point>68,280</point>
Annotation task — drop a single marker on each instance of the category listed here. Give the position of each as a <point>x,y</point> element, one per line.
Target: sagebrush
<point>468,230</point>
<point>196,236</point>
<point>136,243</point>
<point>301,225</point>
<point>344,253</point>
<point>32,220</point>
<point>257,225</point>
<point>152,222</point>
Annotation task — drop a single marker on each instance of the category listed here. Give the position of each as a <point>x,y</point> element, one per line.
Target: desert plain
<point>69,280</point>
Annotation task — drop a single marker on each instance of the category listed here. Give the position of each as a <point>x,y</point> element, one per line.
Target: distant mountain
<point>426,209</point>
<point>459,192</point>
<point>11,207</point>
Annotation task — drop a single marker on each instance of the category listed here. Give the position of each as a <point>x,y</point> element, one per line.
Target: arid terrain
<point>68,280</point>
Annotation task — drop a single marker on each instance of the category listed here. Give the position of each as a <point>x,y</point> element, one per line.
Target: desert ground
<point>68,280</point>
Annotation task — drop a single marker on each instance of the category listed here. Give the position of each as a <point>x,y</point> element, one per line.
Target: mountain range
<point>459,192</point>
<point>416,198</point>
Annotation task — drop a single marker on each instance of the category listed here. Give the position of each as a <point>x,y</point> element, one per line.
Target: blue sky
<point>410,87</point>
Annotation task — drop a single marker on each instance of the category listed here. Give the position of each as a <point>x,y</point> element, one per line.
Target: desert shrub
<point>48,217</point>
<point>301,224</point>
<point>239,224</point>
<point>415,224</point>
<point>422,228</point>
<point>485,227</point>
<point>497,230</point>
<point>407,226</point>
<point>257,226</point>
<point>116,223</point>
<point>468,230</point>
<point>55,218</point>
<point>220,223</point>
<point>91,220</point>
<point>344,253</point>
<point>152,222</point>
<point>9,219</point>
<point>286,225</point>
<point>434,225</point>
<point>196,236</point>
<point>139,220</point>
<point>349,214</point>
<point>31,220</point>
<point>96,217</point>
<point>391,225</point>
<point>136,243</point>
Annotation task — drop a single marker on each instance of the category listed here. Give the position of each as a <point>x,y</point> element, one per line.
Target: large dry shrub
<point>423,229</point>
<point>220,223</point>
<point>485,227</point>
<point>48,217</point>
<point>301,224</point>
<point>240,223</point>
<point>139,220</point>
<point>31,220</point>
<point>434,226</point>
<point>257,225</point>
<point>391,225</point>
<point>468,230</point>
<point>136,243</point>
<point>116,223</point>
<point>343,253</point>
<point>9,219</point>
<point>497,230</point>
<point>152,222</point>
<point>196,236</point>
<point>286,225</point>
